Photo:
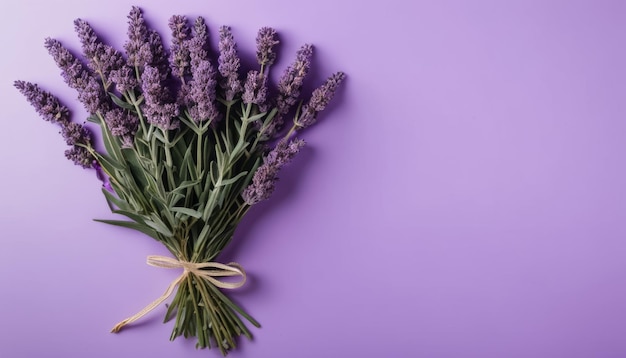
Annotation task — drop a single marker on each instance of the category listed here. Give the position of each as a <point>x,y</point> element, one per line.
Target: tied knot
<point>209,271</point>
<point>206,270</point>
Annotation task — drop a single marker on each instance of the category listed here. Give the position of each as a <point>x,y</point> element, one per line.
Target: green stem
<point>169,165</point>
<point>142,121</point>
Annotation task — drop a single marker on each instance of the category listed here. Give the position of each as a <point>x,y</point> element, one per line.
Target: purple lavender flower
<point>290,83</point>
<point>137,36</point>
<point>157,105</point>
<point>78,136</point>
<point>262,186</point>
<point>255,90</point>
<point>47,105</point>
<point>265,42</point>
<point>319,100</point>
<point>144,46</point>
<point>90,93</point>
<point>179,51</point>
<point>123,125</point>
<point>289,87</point>
<point>152,53</point>
<point>102,58</point>
<point>124,79</point>
<point>265,177</point>
<point>199,94</point>
<point>202,92</point>
<point>199,44</point>
<point>80,156</point>
<point>229,64</point>
<point>183,97</point>
<point>75,134</point>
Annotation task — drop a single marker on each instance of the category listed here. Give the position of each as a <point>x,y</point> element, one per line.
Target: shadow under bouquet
<point>189,148</point>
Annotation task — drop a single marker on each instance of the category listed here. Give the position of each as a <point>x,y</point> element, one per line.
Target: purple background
<point>464,196</point>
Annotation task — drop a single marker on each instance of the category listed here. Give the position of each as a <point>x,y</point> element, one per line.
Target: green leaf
<point>131,225</point>
<point>186,211</point>
<point>160,228</point>
<point>112,200</point>
<point>121,103</point>
<point>233,179</point>
<point>109,164</point>
<point>159,136</point>
<point>184,185</point>
<point>131,215</point>
<point>137,170</point>
<point>255,117</point>
<point>173,198</point>
<point>93,119</point>
<point>111,144</point>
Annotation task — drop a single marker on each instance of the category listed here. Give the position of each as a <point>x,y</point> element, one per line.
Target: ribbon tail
<point>150,307</point>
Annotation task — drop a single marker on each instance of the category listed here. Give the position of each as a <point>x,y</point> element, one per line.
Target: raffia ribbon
<point>196,268</point>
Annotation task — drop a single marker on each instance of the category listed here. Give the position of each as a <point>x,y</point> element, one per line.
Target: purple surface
<point>464,196</point>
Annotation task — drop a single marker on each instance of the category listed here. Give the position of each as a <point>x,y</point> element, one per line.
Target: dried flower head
<point>103,59</point>
<point>290,86</point>
<point>255,90</point>
<point>80,156</point>
<point>179,51</point>
<point>124,79</point>
<point>122,124</point>
<point>229,64</point>
<point>47,105</point>
<point>290,83</point>
<point>265,177</point>
<point>137,36</point>
<point>202,92</point>
<point>78,136</point>
<point>319,100</point>
<point>159,109</point>
<point>199,43</point>
<point>266,40</point>
<point>152,53</point>
<point>75,134</point>
<point>90,93</point>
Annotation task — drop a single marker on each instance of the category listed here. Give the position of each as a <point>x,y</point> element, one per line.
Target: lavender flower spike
<point>137,36</point>
<point>199,44</point>
<point>75,134</point>
<point>48,106</point>
<point>124,79</point>
<point>159,112</point>
<point>265,42</point>
<point>179,51</point>
<point>102,58</point>
<point>290,83</point>
<point>90,93</point>
<point>265,177</point>
<point>229,64</point>
<point>289,87</point>
<point>319,100</point>
<point>202,92</point>
<point>198,47</point>
<point>123,125</point>
<point>255,90</point>
<point>78,136</point>
<point>152,53</point>
<point>80,156</point>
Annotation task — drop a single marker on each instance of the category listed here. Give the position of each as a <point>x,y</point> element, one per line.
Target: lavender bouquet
<point>190,147</point>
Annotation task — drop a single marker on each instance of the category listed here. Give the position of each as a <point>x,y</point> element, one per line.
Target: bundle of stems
<point>189,148</point>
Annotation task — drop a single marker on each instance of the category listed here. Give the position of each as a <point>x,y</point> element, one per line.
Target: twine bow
<point>197,269</point>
